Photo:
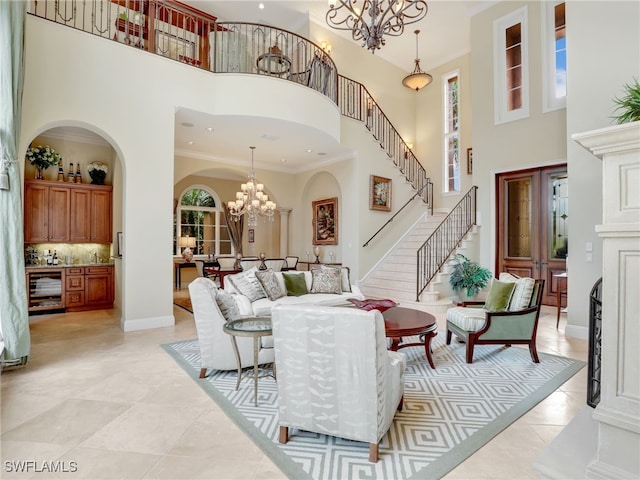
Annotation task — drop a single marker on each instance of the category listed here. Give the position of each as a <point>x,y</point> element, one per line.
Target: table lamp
<point>189,243</point>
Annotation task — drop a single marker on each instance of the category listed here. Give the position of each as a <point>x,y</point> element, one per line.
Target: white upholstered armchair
<point>335,374</point>
<point>216,350</point>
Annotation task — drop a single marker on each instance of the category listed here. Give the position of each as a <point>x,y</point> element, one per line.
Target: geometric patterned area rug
<point>448,413</point>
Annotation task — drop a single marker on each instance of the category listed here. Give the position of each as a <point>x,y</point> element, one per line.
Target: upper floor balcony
<point>181,33</point>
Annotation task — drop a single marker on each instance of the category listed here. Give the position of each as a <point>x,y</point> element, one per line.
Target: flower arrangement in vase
<point>97,172</point>
<point>42,158</point>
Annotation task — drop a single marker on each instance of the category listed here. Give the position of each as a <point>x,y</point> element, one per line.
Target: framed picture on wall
<point>469,160</point>
<point>252,235</point>
<point>380,193</point>
<point>325,221</point>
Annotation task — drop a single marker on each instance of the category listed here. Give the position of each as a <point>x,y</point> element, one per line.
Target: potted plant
<point>42,158</point>
<point>468,276</point>
<point>628,105</point>
<point>97,172</point>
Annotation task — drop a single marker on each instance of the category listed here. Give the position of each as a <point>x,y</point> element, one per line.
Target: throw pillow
<point>247,284</point>
<point>344,277</point>
<point>227,305</point>
<point>326,280</point>
<point>499,296</point>
<point>523,292</point>
<point>295,283</point>
<point>270,284</point>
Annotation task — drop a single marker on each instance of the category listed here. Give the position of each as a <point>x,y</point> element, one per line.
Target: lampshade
<point>187,242</point>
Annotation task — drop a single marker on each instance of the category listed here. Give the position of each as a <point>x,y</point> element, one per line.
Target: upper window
<point>200,215</point>
<point>511,67</point>
<point>554,56</point>
<point>451,132</point>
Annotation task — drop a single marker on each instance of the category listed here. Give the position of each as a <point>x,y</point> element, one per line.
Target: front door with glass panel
<point>532,227</point>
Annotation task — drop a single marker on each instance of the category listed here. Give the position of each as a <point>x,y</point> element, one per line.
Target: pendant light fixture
<point>417,79</point>
<point>369,20</point>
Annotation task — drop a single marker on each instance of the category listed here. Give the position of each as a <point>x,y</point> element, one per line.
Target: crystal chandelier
<point>417,79</point>
<point>369,20</point>
<point>252,200</point>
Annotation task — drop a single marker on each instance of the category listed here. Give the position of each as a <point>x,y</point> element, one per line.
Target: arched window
<point>200,215</point>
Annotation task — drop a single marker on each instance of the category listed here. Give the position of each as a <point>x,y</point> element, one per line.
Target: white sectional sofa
<point>212,307</point>
<point>262,306</point>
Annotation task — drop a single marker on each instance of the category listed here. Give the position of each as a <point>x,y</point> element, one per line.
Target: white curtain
<point>14,319</point>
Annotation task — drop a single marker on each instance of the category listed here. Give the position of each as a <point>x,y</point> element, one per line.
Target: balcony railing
<point>181,33</point>
<point>356,102</point>
<point>189,36</point>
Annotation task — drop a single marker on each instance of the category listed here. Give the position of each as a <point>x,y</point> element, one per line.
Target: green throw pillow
<point>295,284</point>
<point>499,296</point>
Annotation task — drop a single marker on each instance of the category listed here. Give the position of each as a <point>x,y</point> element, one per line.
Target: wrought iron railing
<point>594,367</point>
<point>356,102</point>
<point>437,249</point>
<point>187,35</point>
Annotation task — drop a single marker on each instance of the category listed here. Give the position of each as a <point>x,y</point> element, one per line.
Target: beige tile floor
<point>117,406</point>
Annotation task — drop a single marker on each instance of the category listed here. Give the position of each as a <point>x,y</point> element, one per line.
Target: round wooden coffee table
<point>404,322</point>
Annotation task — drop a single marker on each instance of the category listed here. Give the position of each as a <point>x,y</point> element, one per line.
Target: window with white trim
<point>554,56</point>
<point>451,83</point>
<point>200,214</point>
<point>511,67</point>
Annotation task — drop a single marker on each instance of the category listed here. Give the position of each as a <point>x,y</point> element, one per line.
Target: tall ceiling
<point>282,146</point>
<point>444,35</point>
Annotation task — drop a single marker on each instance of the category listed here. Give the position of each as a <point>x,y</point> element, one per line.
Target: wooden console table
<point>307,265</point>
<point>177,270</point>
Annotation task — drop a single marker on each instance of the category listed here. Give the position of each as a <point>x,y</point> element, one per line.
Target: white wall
<point>85,80</point>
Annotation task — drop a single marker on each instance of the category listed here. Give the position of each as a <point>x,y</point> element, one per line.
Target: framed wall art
<point>380,193</point>
<point>252,236</point>
<point>469,160</point>
<point>325,221</point>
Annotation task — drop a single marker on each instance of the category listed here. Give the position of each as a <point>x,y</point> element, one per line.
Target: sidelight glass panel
<point>518,218</point>
<point>559,232</point>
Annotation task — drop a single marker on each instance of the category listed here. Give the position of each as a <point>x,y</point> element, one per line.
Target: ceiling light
<point>210,129</point>
<point>190,142</point>
<point>383,17</point>
<point>252,200</point>
<point>309,150</point>
<point>417,79</point>
<point>261,6</point>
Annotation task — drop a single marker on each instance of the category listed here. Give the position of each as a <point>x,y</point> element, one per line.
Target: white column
<point>284,230</point>
<point>608,437</point>
<point>618,413</point>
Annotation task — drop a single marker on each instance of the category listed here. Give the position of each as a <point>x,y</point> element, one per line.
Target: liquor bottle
<point>78,174</point>
<point>55,257</point>
<point>70,175</point>
<point>60,171</point>
<point>47,257</point>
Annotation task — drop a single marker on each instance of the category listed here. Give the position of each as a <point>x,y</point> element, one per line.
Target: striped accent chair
<point>516,323</point>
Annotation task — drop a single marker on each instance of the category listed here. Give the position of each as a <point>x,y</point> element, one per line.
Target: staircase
<point>416,269</point>
<point>395,276</point>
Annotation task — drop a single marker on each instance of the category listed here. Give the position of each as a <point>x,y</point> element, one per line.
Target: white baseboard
<point>146,323</point>
<point>575,331</point>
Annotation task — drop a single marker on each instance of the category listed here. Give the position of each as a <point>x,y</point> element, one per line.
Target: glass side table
<point>254,327</point>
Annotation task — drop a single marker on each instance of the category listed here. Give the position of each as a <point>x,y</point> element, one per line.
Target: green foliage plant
<point>468,275</point>
<point>42,157</point>
<point>628,105</point>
